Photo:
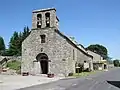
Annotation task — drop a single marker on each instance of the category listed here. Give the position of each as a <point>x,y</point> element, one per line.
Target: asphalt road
<point>109,80</point>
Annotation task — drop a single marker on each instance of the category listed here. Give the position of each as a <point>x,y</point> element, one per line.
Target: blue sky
<point>89,21</point>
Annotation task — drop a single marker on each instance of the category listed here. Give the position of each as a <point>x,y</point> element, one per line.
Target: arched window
<point>42,38</point>
<point>39,21</point>
<point>47,16</point>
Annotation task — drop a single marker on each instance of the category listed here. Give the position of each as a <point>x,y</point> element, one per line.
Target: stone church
<point>47,50</point>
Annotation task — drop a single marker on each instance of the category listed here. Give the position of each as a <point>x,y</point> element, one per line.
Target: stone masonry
<point>98,62</point>
<point>47,50</point>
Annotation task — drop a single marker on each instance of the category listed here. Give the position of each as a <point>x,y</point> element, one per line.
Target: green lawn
<point>83,74</point>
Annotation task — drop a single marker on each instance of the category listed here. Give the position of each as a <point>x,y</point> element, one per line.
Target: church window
<point>42,38</point>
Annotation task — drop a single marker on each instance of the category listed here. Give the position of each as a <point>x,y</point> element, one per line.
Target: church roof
<point>42,10</point>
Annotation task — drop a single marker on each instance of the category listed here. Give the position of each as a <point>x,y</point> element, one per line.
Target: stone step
<point>43,75</point>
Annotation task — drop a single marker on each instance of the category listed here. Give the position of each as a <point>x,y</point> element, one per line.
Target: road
<point>109,80</point>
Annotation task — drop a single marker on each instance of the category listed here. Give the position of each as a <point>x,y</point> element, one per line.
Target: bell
<point>38,18</point>
<point>39,23</point>
<point>47,22</point>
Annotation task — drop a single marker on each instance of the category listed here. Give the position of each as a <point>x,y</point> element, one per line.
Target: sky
<point>89,21</point>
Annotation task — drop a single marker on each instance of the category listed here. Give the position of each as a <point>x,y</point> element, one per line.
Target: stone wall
<point>96,57</point>
<point>18,58</point>
<point>98,62</point>
<point>53,18</point>
<point>60,51</point>
<point>63,61</point>
<point>5,59</point>
<point>32,46</point>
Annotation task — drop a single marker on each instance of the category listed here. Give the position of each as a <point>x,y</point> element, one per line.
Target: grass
<point>15,65</point>
<point>84,74</point>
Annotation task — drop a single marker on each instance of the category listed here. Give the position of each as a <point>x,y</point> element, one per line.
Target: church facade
<point>47,50</point>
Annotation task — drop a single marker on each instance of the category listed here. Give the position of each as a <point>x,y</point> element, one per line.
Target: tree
<point>99,49</point>
<point>25,33</point>
<point>15,44</point>
<point>116,63</point>
<point>2,46</point>
<point>109,60</point>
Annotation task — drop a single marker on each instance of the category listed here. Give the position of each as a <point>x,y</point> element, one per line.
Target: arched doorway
<point>43,59</point>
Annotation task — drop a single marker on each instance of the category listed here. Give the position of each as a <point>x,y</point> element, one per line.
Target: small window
<point>85,61</point>
<point>42,38</point>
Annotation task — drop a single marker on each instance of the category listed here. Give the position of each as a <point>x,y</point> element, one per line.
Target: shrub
<point>80,69</point>
<point>87,70</point>
<point>15,65</point>
<point>70,74</point>
<point>116,63</point>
